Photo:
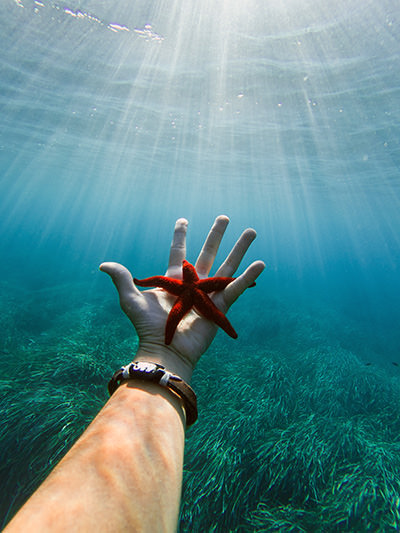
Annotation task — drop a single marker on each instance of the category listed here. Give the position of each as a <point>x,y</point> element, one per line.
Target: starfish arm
<point>213,284</point>
<point>209,310</point>
<point>171,285</point>
<point>182,306</point>
<point>189,272</point>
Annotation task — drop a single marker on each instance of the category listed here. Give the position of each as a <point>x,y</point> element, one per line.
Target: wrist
<point>167,357</point>
<point>150,372</point>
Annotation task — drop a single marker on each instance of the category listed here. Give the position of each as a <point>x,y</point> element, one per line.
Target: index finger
<point>178,246</point>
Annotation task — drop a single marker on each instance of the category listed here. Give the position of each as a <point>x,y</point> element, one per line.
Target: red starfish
<point>191,292</point>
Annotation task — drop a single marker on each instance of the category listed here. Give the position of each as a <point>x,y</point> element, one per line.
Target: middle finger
<point>209,251</point>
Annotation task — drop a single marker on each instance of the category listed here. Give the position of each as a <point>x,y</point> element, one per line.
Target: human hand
<point>148,310</point>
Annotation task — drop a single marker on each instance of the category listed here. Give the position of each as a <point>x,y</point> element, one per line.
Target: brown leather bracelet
<point>155,373</point>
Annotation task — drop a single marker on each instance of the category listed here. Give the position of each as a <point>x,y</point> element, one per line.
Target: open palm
<point>148,310</point>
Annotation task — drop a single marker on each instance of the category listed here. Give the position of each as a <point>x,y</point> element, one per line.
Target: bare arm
<point>123,474</point>
<point>125,471</point>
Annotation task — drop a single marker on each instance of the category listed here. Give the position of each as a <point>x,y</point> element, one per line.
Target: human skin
<point>125,472</point>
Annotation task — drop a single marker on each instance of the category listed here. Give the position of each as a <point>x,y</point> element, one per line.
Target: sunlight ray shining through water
<point>139,98</point>
<point>281,111</point>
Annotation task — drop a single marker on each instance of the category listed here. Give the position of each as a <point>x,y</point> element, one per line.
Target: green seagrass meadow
<point>296,432</point>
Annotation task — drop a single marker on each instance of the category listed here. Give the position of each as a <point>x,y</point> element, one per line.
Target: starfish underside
<point>191,291</point>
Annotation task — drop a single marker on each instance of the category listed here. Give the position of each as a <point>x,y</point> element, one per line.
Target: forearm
<point>123,474</point>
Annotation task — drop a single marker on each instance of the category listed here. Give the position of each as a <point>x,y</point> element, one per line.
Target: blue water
<point>119,117</point>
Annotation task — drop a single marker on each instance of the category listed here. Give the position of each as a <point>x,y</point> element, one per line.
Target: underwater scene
<point>117,118</point>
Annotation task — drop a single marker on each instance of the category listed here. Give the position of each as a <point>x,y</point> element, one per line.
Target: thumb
<point>123,281</point>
